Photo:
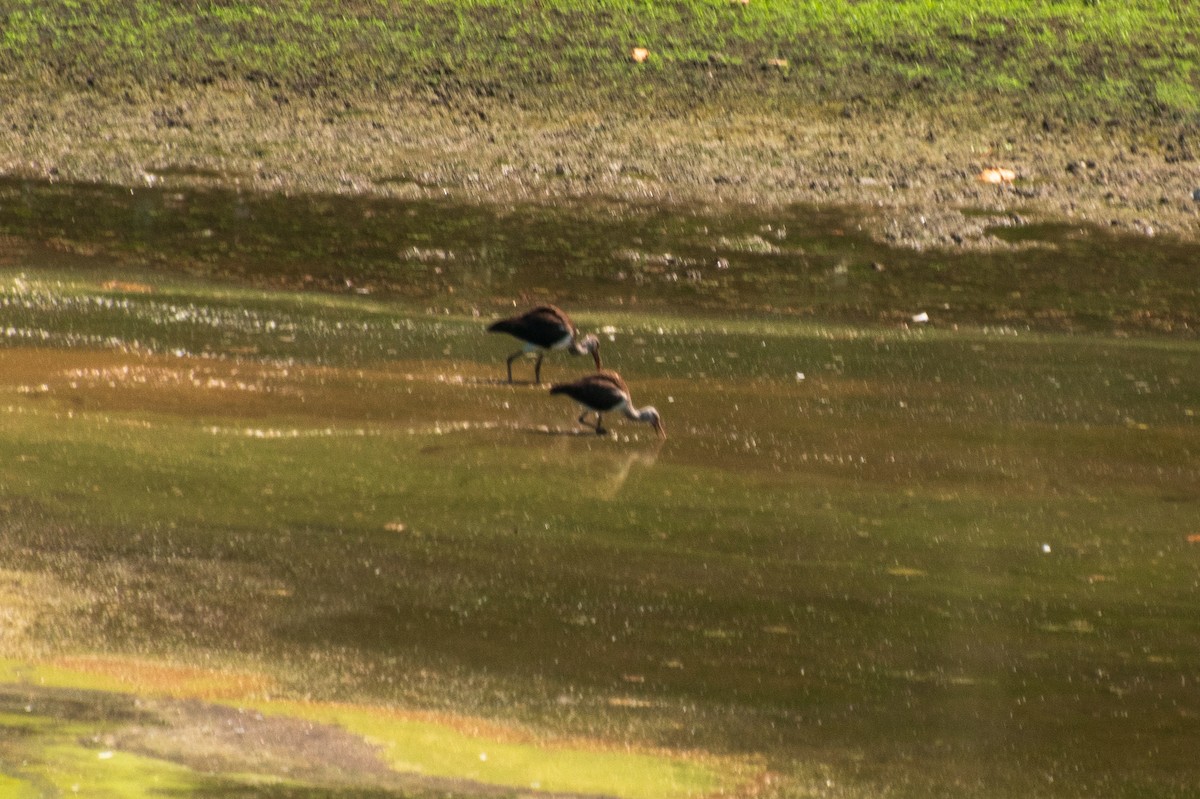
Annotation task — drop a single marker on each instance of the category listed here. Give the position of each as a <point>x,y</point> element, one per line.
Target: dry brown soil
<point>915,176</point>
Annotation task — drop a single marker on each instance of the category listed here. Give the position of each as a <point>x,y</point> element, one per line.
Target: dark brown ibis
<point>543,329</point>
<point>605,392</point>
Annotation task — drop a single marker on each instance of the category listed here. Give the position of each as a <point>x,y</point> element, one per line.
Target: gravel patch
<point>915,180</point>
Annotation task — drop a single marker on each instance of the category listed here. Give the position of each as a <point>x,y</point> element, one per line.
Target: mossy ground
<point>1077,58</point>
<point>129,727</point>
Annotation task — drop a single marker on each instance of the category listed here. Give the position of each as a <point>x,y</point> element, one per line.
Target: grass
<point>1075,58</point>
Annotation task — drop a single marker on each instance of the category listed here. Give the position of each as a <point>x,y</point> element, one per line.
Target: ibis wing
<point>543,326</point>
<point>601,391</point>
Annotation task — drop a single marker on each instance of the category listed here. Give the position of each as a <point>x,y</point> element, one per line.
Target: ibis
<point>605,392</point>
<point>543,329</point>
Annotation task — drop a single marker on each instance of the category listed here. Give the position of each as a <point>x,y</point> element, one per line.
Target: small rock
<point>1196,195</point>
<point>996,175</point>
<point>921,318</point>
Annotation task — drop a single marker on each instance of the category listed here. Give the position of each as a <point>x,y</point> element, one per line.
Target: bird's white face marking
<point>652,416</point>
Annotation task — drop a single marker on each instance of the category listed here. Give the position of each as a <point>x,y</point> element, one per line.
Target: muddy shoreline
<point>912,177</point>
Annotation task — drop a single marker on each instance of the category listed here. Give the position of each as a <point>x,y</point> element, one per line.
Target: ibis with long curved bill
<point>543,329</point>
<point>605,392</point>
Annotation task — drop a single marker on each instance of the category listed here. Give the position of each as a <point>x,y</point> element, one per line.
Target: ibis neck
<point>636,414</point>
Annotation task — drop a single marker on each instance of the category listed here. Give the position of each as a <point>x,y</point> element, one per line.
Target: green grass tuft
<point>1046,57</point>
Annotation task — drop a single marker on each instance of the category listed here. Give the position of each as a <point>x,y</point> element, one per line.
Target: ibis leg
<point>512,358</point>
<point>537,369</point>
<point>599,427</point>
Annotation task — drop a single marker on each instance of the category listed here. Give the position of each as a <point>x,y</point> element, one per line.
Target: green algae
<point>68,751</point>
<point>452,751</point>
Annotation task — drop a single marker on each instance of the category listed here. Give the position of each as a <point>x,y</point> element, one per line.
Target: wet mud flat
<point>925,523</point>
<point>444,255</point>
<point>908,177</point>
<point>871,558</point>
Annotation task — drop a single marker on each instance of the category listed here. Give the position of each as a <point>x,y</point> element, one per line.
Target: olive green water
<point>875,557</point>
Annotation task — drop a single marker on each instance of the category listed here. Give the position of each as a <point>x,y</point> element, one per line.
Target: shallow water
<point>873,556</point>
